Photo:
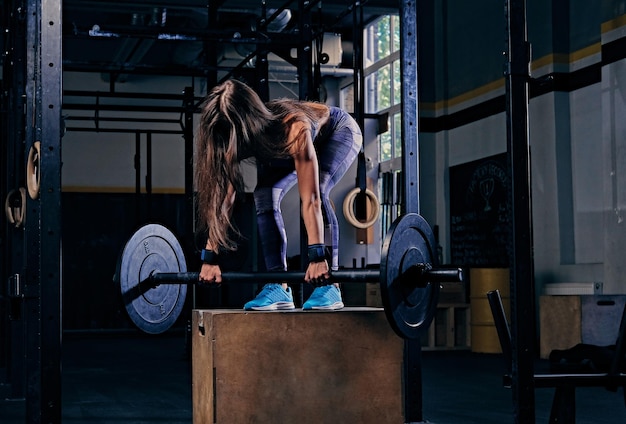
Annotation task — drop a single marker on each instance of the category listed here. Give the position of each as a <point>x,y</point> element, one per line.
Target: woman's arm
<point>212,273</point>
<point>306,166</point>
<point>307,170</point>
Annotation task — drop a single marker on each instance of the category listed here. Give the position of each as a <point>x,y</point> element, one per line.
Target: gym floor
<point>135,378</point>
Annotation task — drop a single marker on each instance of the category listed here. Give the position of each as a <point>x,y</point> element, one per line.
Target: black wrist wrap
<point>316,252</point>
<point>208,257</point>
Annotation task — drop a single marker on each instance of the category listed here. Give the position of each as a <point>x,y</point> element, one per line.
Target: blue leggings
<point>337,145</point>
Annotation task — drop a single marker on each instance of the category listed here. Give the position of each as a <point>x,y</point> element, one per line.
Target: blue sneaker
<point>324,298</point>
<point>272,298</point>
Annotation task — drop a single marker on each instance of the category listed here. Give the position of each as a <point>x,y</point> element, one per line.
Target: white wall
<point>104,161</point>
<point>577,143</point>
<point>613,158</point>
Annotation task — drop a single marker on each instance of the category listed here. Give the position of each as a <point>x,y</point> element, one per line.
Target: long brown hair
<point>232,117</point>
<point>235,124</point>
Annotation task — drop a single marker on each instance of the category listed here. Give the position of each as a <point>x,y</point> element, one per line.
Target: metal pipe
<point>523,310</point>
<point>122,130</point>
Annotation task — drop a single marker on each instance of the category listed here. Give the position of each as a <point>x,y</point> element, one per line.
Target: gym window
<point>383,88</point>
<point>381,47</point>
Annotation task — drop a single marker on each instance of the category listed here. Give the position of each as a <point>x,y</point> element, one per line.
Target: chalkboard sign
<point>480,213</point>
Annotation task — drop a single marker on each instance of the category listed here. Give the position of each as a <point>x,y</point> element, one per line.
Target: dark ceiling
<point>189,37</point>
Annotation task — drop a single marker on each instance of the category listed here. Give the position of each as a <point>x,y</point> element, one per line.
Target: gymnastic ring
<point>348,208</point>
<point>33,170</point>
<point>16,215</point>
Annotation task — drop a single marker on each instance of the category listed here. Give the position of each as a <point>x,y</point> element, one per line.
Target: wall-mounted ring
<point>348,208</point>
<point>33,170</point>
<point>15,207</point>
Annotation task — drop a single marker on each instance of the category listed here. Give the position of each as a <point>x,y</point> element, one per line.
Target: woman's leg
<point>272,186</point>
<point>335,153</point>
<point>335,156</point>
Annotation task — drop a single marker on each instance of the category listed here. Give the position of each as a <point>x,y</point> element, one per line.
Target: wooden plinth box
<point>559,323</point>
<point>296,367</point>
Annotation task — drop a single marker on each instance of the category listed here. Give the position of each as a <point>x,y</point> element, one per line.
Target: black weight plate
<point>409,306</point>
<point>153,248</point>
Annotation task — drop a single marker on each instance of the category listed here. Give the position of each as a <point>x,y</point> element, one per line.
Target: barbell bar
<point>153,278</point>
<point>414,275</point>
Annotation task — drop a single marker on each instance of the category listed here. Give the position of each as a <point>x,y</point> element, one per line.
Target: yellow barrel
<point>483,330</point>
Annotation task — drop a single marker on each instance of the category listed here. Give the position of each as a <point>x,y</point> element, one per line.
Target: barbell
<point>153,278</point>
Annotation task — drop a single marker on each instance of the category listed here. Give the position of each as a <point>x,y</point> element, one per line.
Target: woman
<point>292,141</point>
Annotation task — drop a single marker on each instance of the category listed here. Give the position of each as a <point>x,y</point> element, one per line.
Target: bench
<point>565,377</point>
